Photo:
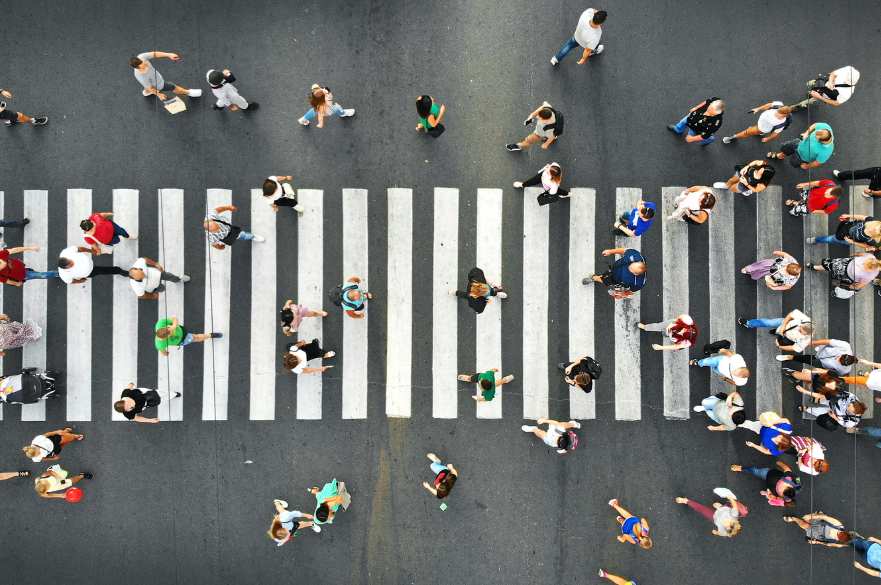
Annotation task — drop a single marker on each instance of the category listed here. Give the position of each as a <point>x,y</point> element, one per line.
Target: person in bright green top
<point>430,114</point>
<point>813,148</point>
<point>170,333</point>
<point>328,500</point>
<point>486,383</point>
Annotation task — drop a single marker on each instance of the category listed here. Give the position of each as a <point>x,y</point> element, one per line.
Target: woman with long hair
<point>286,523</point>
<point>14,334</point>
<point>322,105</point>
<point>694,205</point>
<point>300,353</point>
<point>445,476</point>
<point>478,292</point>
<point>549,177</point>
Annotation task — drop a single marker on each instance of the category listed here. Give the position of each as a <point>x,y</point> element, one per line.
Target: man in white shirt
<point>587,36</point>
<point>728,365</point>
<point>774,118</point>
<point>833,89</point>
<point>75,265</point>
<point>146,276</point>
<point>227,95</point>
<point>793,331</point>
<point>834,355</point>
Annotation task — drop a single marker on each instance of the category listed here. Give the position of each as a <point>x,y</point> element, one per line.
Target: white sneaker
<point>508,378</point>
<point>811,240</point>
<point>329,355</point>
<point>784,358</point>
<point>452,292</point>
<point>133,236</point>
<point>724,492</point>
<point>576,424</point>
<point>303,121</point>
<point>518,184</point>
<point>527,428</point>
<point>720,185</point>
<point>282,502</point>
<point>299,208</point>
<point>185,278</point>
<point>502,294</point>
<point>835,172</point>
<point>698,408</point>
<point>599,50</point>
<point>259,239</point>
<point>348,113</point>
<point>194,93</point>
<point>316,528</point>
<point>554,61</point>
<point>726,139</point>
<point>146,93</point>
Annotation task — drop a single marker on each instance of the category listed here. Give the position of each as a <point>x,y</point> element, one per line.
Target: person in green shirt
<point>430,115</point>
<point>813,148</point>
<point>170,333</point>
<point>486,383</point>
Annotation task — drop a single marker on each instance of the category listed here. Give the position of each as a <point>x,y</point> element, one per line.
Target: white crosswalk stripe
<point>668,275</point>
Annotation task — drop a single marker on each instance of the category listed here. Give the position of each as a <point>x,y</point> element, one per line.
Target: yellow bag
<point>175,105</point>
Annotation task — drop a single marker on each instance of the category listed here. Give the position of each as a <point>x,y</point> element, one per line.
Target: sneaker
<point>216,335</point>
<point>194,93</point>
<point>720,185</point>
<point>613,502</point>
<point>185,278</point>
<point>562,366</point>
<point>811,240</point>
<point>527,428</point>
<point>835,172</point>
<point>251,107</point>
<point>554,61</point>
<point>601,573</point>
<point>177,395</point>
<point>452,292</point>
<point>698,408</point>
<point>587,280</point>
<point>25,221</point>
<point>742,322</point>
<point>316,528</point>
<point>575,424</point>
<point>348,113</point>
<point>502,294</point>
<point>724,492</point>
<point>784,358</point>
<point>329,355</point>
<point>672,128</point>
<point>40,120</point>
<point>513,147</point>
<point>463,378</point>
<point>299,208</point>
<point>283,503</point>
<point>87,475</point>
<point>259,239</point>
<point>518,184</point>
<point>24,473</point>
<point>508,378</point>
<point>303,121</point>
<point>146,93</point>
<point>728,139</point>
<point>599,50</point>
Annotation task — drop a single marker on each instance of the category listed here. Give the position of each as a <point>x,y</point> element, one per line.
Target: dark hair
<point>446,486</point>
<point>788,492</point>
<point>545,113</point>
<point>768,173</point>
<point>64,263</point>
<point>119,406</point>
<point>485,384</point>
<point>555,171</point>
<point>599,17</point>
<point>785,442</point>
<point>287,317</point>
<point>215,77</point>
<point>858,407</point>
<point>835,191</point>
<point>290,361</point>
<point>563,442</point>
<point>582,379</point>
<point>86,225</point>
<point>738,418</point>
<point>648,212</point>
<point>849,360</point>
<point>423,105</point>
<point>135,62</point>
<point>322,513</point>
<point>269,187</point>
<point>708,201</point>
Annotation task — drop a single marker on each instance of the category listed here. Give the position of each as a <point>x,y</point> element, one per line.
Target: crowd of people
<point>821,370</point>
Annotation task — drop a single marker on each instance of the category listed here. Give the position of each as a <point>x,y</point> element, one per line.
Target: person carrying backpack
<point>351,297</point>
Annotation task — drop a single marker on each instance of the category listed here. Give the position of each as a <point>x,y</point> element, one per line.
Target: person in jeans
<point>548,127</point>
<point>833,355</point>
<point>169,332</point>
<point>286,523</point>
<point>75,265</point>
<point>749,179</point>
<point>99,230</point>
<point>227,95</point>
<point>322,106</point>
<point>430,115</point>
<point>587,35</point>
<point>834,406</point>
<point>281,194</point>
<point>549,177</point>
<point>873,174</point>
<point>780,272</point>
<point>725,517</point>
<point>793,331</point>
<point>221,233</point>
<point>147,276</point>
<point>478,292</point>
<point>559,435</point>
<point>14,272</point>
<point>822,529</point>
<point>701,122</point>
<point>14,223</point>
<point>862,231</point>
<point>133,401</point>
<point>626,276</point>
<point>813,148</point>
<point>637,221</point>
<point>682,331</point>
<point>152,80</point>
<point>486,383</point>
<point>726,364</point>
<point>726,410</point>
<point>868,552</point>
<point>445,476</point>
<point>781,484</point>
<point>774,119</point>
<point>818,197</point>
<point>581,372</point>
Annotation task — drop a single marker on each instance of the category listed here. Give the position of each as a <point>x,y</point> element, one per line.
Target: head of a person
<point>823,135</point>
<point>564,441</point>
<point>872,264</point>
<point>64,262</point>
<point>317,96</point>
<point>847,359</point>
<point>278,532</point>
<point>215,78</point>
<point>793,269</point>
<point>87,225</point>
<point>353,295</point>
<point>210,226</point>
<point>646,212</point>
<point>734,527</point>
<point>856,408</point>
<point>445,487</point>
<point>833,193</point>
<point>788,492</point>
<point>478,289</point>
<point>135,62</point>
<point>766,173</point>
<point>322,513</point>
<point>844,537</point>
<point>638,267</point>
<point>645,542</point>
<point>828,381</point>
<point>738,417</point>
<point>31,451</point>
<point>716,106</point>
<point>708,201</point>
<point>423,105</point>
<point>164,332</point>
<point>556,172</point>
<point>269,187</point>
<point>599,17</point>
<point>741,372</point>
<point>546,113</point>
<point>136,274</point>
<point>41,486</point>
<point>583,380</point>
<point>783,442</point>
<point>820,465</point>
<point>123,405</point>
<point>486,384</point>
<point>290,361</point>
<point>806,329</point>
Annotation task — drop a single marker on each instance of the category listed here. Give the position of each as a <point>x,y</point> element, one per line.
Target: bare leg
<point>751,131</point>
<point>617,507</point>
<point>181,90</point>
<point>529,141</point>
<point>10,475</point>
<point>797,521</point>
<point>614,578</point>
<point>316,314</point>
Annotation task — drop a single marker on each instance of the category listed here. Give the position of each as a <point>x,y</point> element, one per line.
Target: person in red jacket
<point>14,272</point>
<point>820,197</point>
<point>682,331</point>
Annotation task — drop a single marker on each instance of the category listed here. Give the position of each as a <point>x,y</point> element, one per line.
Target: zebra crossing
<point>532,385</point>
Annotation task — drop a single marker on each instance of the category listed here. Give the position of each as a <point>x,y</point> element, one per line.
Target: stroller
<point>28,387</point>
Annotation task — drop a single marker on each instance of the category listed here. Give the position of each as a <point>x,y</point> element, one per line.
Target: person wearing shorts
<point>548,127</point>
<point>152,80</point>
<point>170,333</point>
<point>486,383</point>
<point>445,476</point>
<point>813,148</point>
<point>11,117</point>
<point>774,119</point>
<point>634,529</point>
<point>559,435</point>
<point>749,179</point>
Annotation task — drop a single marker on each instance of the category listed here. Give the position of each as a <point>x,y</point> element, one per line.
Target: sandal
<point>771,155</point>
<point>24,473</point>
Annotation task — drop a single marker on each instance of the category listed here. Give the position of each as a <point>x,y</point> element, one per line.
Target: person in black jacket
<point>134,401</point>
<point>581,372</point>
<point>478,292</point>
<point>701,122</point>
<point>548,127</point>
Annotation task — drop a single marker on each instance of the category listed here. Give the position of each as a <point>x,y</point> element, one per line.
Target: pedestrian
<point>430,115</point>
<point>587,35</point>
<point>820,197</point>
<point>682,331</point>
<point>809,453</point>
<point>634,529</point>
<point>322,105</point>
<point>54,482</point>
<point>169,332</point>
<point>862,231</point>
<point>832,89</point>
<point>329,499</point>
<point>581,372</point>
<point>133,401</point>
<point>227,95</point>
<point>14,272</point>
<point>774,119</point>
<point>11,117</point>
<point>559,435</point>
<point>726,410</point>
<point>286,523</point>
<point>147,276</point>
<point>14,334</point>
<point>637,221</point>
<point>4,475</point>
<point>780,272</point>
<point>548,127</point>
<point>873,174</point>
<point>48,446</point>
<point>701,122</point>
<point>871,379</point>
<point>152,80</point>
<point>833,355</point>
<point>725,517</point>
<point>851,273</point>
<point>793,332</point>
<point>868,550</point>
<point>445,476</point>
<point>352,297</point>
<point>615,578</point>
<point>814,147</point>
<point>293,314</point>
<point>221,233</point>
<point>726,364</point>
<point>822,529</point>
<point>775,434</point>
<point>100,231</point>
<point>282,194</point>
<point>28,387</point>
<point>749,179</point>
<point>75,265</point>
<point>301,352</point>
<point>486,383</point>
<point>694,205</point>
<point>626,276</point>
<point>835,407</point>
<point>478,292</point>
<point>781,485</point>
<point>549,177</point>
<point>870,432</point>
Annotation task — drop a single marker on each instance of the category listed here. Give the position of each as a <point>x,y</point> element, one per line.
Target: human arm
<point>814,395</point>
<point>693,138</point>
<point>700,105</point>
<point>866,570</point>
<point>6,93</point>
<point>811,165</point>
<point>224,208</point>
<point>547,143</point>
<point>613,251</point>
<point>145,419</point>
<point>669,347</point>
<point>870,364</point>
<point>428,486</point>
<point>819,96</point>
<point>771,136</point>
<point>153,263</point>
<point>440,116</point>
<point>49,496</point>
<point>316,370</point>
<point>585,55</point>
<point>22,249</point>
<point>761,108</point>
<point>758,448</point>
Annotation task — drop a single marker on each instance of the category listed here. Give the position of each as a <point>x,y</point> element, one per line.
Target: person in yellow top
<point>52,483</point>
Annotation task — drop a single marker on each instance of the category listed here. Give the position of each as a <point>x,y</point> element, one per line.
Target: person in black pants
<point>549,177</point>
<point>478,291</point>
<point>581,372</point>
<point>873,174</point>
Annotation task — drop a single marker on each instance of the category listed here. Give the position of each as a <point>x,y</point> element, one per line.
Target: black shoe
<point>40,121</point>
<point>87,475</point>
<point>177,394</point>
<point>513,147</point>
<point>24,473</point>
<point>25,221</point>
<point>216,107</point>
<point>216,335</point>
<point>742,322</point>
<point>562,366</point>
<point>672,128</point>
<point>252,106</point>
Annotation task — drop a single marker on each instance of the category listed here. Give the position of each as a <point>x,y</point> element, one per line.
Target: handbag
<point>175,105</point>
<point>436,131</point>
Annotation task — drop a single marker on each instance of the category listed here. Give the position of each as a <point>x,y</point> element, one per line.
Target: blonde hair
<point>478,289</point>
<point>41,486</point>
<point>32,451</point>
<point>873,263</point>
